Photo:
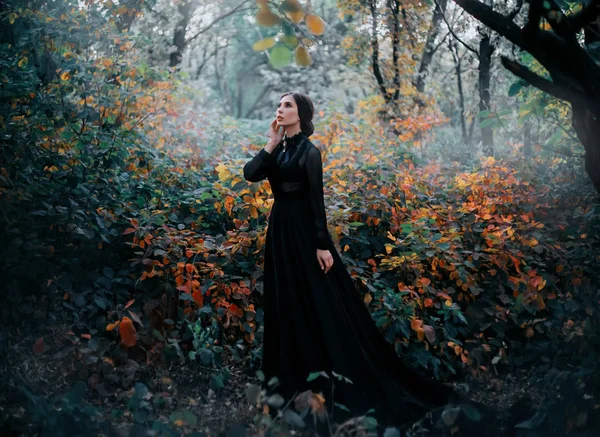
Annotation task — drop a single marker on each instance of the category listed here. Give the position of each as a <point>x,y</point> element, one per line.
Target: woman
<point>314,318</point>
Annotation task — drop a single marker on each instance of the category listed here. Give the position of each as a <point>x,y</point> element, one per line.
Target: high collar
<point>294,140</point>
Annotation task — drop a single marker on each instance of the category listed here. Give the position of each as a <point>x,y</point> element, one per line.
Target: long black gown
<point>316,321</point>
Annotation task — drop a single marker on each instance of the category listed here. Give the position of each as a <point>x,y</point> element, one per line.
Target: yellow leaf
<point>368,298</point>
<point>265,17</point>
<point>12,17</point>
<point>296,17</point>
<point>293,10</point>
<point>23,61</point>
<point>315,24</point>
<point>289,40</point>
<point>263,44</point>
<point>65,75</point>
<point>302,57</point>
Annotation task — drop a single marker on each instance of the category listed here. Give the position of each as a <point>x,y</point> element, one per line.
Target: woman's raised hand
<point>325,259</point>
<point>275,136</point>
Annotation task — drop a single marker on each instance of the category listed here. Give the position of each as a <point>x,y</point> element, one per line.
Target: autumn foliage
<point>123,215</point>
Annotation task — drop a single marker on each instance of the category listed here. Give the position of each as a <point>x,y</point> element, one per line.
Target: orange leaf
<point>315,24</point>
<point>416,324</point>
<point>129,231</point>
<point>189,268</point>
<point>428,302</point>
<point>112,326</point>
<point>233,308</point>
<point>39,346</point>
<point>197,296</point>
<point>128,332</point>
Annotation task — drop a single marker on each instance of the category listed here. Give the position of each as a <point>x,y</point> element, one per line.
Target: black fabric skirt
<point>318,322</point>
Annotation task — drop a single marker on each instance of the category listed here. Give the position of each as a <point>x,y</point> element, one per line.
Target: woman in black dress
<point>314,317</point>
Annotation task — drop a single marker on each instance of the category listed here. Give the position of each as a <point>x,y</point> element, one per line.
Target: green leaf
<point>534,422</point>
<point>293,418</point>
<point>275,400</point>
<point>216,382</point>
<point>487,122</point>
<point>515,88</point>
<point>471,412</point>
<point>341,406</point>
<point>280,56</point>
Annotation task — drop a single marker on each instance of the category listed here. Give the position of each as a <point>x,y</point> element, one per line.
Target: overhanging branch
<point>559,91</point>
<point>494,20</point>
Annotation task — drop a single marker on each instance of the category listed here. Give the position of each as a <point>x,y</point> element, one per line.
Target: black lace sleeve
<point>257,168</point>
<point>314,173</point>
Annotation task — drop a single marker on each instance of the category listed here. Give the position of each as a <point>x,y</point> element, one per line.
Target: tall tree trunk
<point>375,52</point>
<point>429,49</point>
<point>527,139</point>
<point>461,95</point>
<point>394,6</point>
<point>179,41</point>
<point>486,49</point>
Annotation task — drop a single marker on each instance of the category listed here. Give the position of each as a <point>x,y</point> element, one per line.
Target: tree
<point>430,47</point>
<point>574,74</point>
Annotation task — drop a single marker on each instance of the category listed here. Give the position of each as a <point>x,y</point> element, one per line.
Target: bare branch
<point>494,20</point>
<point>219,18</point>
<point>455,35</point>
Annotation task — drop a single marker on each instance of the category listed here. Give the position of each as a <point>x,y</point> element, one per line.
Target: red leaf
<point>129,303</point>
<point>184,288</point>
<point>39,346</point>
<point>128,332</point>
<point>129,231</point>
<point>197,296</point>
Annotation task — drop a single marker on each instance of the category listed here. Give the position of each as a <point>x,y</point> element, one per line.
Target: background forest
<point>461,150</point>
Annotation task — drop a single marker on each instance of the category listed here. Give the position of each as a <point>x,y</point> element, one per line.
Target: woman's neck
<point>292,131</point>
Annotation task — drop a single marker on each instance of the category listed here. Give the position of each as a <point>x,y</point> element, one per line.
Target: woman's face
<point>287,111</point>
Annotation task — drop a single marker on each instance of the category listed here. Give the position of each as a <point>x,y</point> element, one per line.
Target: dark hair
<point>306,111</point>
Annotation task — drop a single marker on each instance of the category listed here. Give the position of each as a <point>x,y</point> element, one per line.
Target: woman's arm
<point>257,168</point>
<point>314,172</point>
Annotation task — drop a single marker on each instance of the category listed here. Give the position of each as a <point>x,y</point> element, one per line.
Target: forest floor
<point>183,388</point>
